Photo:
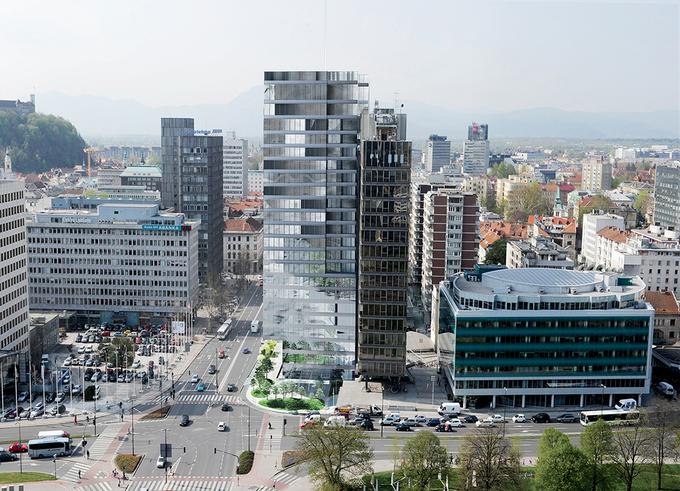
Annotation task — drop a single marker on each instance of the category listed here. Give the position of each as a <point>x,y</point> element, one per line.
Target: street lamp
<point>505,407</point>
<point>54,459</point>
<point>602,400</point>
<point>382,408</point>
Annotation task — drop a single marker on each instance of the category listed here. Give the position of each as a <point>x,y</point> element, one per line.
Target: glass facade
<point>311,161</point>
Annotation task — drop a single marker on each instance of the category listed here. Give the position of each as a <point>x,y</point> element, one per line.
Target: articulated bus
<point>611,416</point>
<point>49,447</point>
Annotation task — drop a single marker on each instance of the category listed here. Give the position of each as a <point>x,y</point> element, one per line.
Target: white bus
<point>224,328</point>
<point>611,416</point>
<point>53,434</point>
<point>49,447</point>
<point>254,326</point>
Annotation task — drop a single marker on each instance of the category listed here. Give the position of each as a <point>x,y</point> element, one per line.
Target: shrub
<point>245,462</point>
<point>260,393</point>
<point>293,404</point>
<point>127,462</point>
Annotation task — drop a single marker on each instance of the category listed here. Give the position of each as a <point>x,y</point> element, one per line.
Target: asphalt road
<point>200,449</point>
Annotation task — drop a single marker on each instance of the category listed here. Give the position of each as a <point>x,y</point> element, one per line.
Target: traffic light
<point>214,450</point>
<point>185,449</point>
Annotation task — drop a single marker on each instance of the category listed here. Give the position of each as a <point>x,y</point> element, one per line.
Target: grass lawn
<point>127,462</point>
<point>157,414</point>
<point>292,404</point>
<point>18,477</point>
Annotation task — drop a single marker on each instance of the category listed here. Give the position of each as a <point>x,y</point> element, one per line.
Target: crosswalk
<point>100,486</point>
<point>281,479</point>
<point>207,398</point>
<point>97,450</point>
<point>181,485</point>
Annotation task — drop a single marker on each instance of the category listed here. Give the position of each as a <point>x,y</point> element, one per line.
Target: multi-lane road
<point>199,449</point>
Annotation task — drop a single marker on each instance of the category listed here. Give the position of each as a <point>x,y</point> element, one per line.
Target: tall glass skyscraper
<point>311,162</point>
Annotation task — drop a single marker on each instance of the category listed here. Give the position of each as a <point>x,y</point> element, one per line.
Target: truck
<point>371,410</point>
<point>255,327</point>
<point>449,409</point>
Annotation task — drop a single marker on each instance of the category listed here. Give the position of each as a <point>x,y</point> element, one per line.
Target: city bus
<point>222,331</point>
<point>611,416</point>
<point>49,447</point>
<point>53,434</point>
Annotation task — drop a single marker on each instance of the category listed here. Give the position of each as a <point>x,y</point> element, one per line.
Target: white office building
<point>476,150</point>
<point>256,182</point>
<point>592,224</point>
<point>126,261</point>
<point>437,153</point>
<point>235,166</point>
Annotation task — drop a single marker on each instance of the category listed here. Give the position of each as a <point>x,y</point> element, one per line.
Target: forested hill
<point>39,142</point>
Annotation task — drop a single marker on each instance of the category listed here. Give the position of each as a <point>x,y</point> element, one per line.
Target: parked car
<point>7,457</point>
<point>10,413</point>
<point>23,396</point>
<point>541,418</point>
<point>184,420</point>
<point>136,364</point>
<point>390,420</point>
<point>61,397</point>
<point>566,418</point>
<point>519,418</point>
<point>366,424</point>
<point>498,418</point>
<point>456,423</point>
<point>49,397</point>
<point>58,409</point>
<point>411,421</point>
<point>402,427</point>
<point>420,419</point>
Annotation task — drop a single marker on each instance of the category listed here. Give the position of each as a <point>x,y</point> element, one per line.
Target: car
<point>121,377</point>
<point>200,387</point>
<point>38,411</point>
<point>390,420</point>
<point>23,396</point>
<point>433,422</point>
<point>212,369</point>
<point>444,427</point>
<point>109,365</point>
<point>401,426</point>
<point>456,423</point>
<point>79,338</point>
<point>498,418</point>
<point>67,362</point>
<point>49,397</point>
<point>566,418</point>
<point>8,457</point>
<point>111,377</point>
<point>129,376</point>
<point>61,397</point>
<point>58,409</point>
<point>184,420</point>
<point>76,390</point>
<point>24,413</point>
<point>160,462</point>
<point>356,421</point>
<point>118,334</point>
<point>10,413</point>
<point>225,407</point>
<point>420,419</point>
<point>246,351</point>
<point>140,352</point>
<point>90,339</point>
<point>17,447</point>
<point>366,424</point>
<point>136,364</point>
<point>470,418</point>
<point>485,423</point>
<point>96,376</point>
<point>519,418</point>
<point>541,418</point>
<point>411,421</point>
<point>89,362</point>
<point>195,378</point>
<point>221,426</point>
<point>232,388</point>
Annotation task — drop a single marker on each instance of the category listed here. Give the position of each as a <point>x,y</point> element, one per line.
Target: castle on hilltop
<point>18,107</point>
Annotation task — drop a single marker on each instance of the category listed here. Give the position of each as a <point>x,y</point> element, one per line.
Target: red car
<point>17,447</point>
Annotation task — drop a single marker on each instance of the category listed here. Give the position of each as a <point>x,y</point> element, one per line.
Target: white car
<point>88,349</point>
<point>136,364</point>
<point>67,362</point>
<point>81,350</point>
<point>421,419</point>
<point>390,420</point>
<point>411,422</point>
<point>498,418</point>
<point>519,418</point>
<point>160,462</point>
<point>485,423</point>
<point>221,426</point>
<point>194,379</point>
<point>456,423</point>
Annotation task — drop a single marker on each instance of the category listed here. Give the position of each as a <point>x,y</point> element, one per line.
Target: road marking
<point>240,349</point>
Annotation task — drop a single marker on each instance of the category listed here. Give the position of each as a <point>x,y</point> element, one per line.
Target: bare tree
<point>489,461</point>
<point>664,424</point>
<point>630,451</point>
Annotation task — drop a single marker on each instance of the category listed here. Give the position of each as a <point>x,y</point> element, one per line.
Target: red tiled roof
<point>490,232</point>
<point>663,302</point>
<point>615,234</point>
<point>242,225</point>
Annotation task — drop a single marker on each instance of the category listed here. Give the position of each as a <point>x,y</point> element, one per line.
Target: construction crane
<point>89,151</point>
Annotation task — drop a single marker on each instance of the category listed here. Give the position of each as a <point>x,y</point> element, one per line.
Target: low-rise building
<point>43,334</point>
<point>243,246</point>
<point>491,232</point>
<point>544,337</point>
<point>148,176</point>
<point>119,261</point>
<point>560,230</point>
<point>537,252</point>
<point>666,317</point>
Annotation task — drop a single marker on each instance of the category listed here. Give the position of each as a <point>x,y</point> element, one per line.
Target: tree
<point>550,440</point>
<point>120,350</point>
<point>560,468</point>
<point>489,461</point>
<point>502,170</point>
<point>643,202</point>
<point>422,459</point>
<point>663,424</point>
<point>336,457</point>
<point>275,391</point>
<point>631,450</point>
<point>496,253</point>
<point>596,443</point>
<point>598,202</point>
<point>527,200</point>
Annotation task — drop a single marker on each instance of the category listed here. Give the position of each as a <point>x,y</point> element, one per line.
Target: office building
<point>667,196</point>
<point>108,176</point>
<point>437,153</point>
<point>476,150</point>
<point>119,262</point>
<point>256,182</point>
<point>148,176</point>
<point>235,172</point>
<point>243,246</point>
<point>544,337</point>
<point>385,176</point>
<point>596,174</point>
<point>14,321</point>
<point>191,169</point>
<point>450,232</point>
<point>311,164</point>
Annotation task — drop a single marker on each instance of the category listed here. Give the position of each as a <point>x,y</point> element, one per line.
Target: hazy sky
<point>593,55</point>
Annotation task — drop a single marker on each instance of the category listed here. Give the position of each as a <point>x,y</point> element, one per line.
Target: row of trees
<point>488,460</point>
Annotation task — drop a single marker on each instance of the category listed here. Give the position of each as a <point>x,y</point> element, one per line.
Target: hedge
<point>245,462</point>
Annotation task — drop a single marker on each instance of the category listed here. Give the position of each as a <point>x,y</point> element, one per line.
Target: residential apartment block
<point>596,174</point>
<point>667,196</point>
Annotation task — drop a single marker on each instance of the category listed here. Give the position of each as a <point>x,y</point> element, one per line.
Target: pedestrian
<point>270,425</point>
<point>119,482</point>
<point>78,473</point>
<point>88,455</point>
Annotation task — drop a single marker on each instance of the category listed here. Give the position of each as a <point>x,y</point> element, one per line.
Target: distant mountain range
<point>101,118</point>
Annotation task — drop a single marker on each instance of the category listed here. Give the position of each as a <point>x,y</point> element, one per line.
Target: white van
<point>626,405</point>
<point>665,389</point>
<point>449,409</point>
<point>335,421</point>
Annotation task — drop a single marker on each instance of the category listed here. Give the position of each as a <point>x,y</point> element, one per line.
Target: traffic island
<point>128,463</point>
<point>245,462</point>
<point>19,477</point>
<point>160,413</point>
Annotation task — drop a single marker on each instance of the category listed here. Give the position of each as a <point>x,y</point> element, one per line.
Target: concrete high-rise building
<point>667,196</point>
<point>255,182</point>
<point>596,174</point>
<point>437,153</point>
<point>450,238</point>
<point>476,151</point>
<point>235,151</point>
<point>191,167</point>
<point>311,164</point>
<point>383,245</point>
<point>14,321</point>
